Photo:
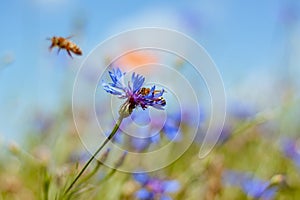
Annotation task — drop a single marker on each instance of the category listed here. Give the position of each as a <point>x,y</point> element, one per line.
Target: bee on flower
<point>134,93</point>
<point>65,43</point>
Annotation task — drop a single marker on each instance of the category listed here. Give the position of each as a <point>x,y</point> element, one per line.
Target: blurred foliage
<point>54,156</point>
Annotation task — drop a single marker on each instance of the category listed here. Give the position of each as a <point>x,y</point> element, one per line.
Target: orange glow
<point>136,59</point>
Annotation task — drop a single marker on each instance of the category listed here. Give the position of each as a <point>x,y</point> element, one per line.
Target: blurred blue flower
<point>240,110</point>
<point>289,14</point>
<point>171,126</point>
<point>117,137</point>
<point>144,194</point>
<point>141,117</point>
<point>253,187</point>
<point>170,129</point>
<point>225,135</point>
<point>142,178</point>
<point>155,188</point>
<point>134,93</point>
<point>291,149</point>
<point>140,144</point>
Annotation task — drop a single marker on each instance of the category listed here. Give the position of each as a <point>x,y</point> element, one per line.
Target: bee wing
<point>52,45</point>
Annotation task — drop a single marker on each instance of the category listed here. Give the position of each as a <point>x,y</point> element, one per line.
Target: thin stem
<point>46,183</point>
<point>111,135</point>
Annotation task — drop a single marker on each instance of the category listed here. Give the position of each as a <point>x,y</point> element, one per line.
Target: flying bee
<point>65,43</point>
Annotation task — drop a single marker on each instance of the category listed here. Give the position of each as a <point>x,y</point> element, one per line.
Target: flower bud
<point>126,109</point>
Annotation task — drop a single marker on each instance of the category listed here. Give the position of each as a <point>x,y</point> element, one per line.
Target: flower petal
<point>165,197</point>
<point>141,177</point>
<point>144,194</point>
<point>171,186</point>
<point>137,82</point>
<point>111,89</point>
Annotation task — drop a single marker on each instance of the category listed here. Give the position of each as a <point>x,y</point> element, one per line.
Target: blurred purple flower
<point>253,187</point>
<point>155,188</point>
<point>134,93</point>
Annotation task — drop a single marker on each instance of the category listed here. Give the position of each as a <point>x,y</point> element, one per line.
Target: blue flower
<point>253,187</point>
<point>155,188</point>
<point>291,149</point>
<point>226,133</point>
<point>140,144</point>
<point>136,95</point>
<point>171,127</point>
<point>144,194</point>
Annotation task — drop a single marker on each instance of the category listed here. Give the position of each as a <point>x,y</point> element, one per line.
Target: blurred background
<point>254,44</point>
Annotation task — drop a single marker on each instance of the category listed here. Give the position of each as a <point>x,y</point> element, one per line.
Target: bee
<point>65,43</point>
<point>145,91</point>
<point>162,100</point>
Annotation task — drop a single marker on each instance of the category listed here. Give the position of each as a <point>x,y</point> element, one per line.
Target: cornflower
<point>155,188</point>
<point>253,187</point>
<point>135,95</point>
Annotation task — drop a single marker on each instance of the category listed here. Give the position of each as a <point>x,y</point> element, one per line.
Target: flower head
<point>136,95</point>
<point>155,188</point>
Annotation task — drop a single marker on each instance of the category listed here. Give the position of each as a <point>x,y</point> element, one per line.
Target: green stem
<point>111,135</point>
<point>46,183</point>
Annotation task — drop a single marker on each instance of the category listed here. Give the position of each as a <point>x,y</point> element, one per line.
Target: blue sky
<point>242,37</point>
